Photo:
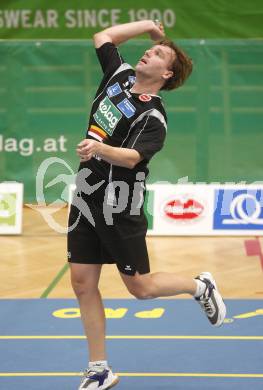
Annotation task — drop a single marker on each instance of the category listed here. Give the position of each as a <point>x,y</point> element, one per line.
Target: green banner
<point>214,120</point>
<point>80,19</point>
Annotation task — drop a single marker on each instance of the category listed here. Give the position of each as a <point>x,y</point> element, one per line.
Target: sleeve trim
<point>152,112</point>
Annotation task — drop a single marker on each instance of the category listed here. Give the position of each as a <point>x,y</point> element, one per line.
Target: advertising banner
<point>46,19</point>
<point>207,210</point>
<point>181,209</point>
<point>11,206</point>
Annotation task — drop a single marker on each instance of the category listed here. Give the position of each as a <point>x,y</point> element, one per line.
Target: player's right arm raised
<point>123,32</point>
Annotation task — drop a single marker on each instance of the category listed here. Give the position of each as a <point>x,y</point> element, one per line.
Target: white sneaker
<point>211,301</point>
<point>100,378</point>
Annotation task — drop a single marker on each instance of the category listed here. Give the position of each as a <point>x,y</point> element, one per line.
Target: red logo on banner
<point>187,210</point>
<point>145,98</point>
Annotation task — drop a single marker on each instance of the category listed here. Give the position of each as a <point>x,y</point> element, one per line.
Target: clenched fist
<point>87,148</point>
<point>157,31</point>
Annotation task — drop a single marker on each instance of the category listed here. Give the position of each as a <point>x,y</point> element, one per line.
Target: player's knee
<point>82,286</point>
<point>140,292</point>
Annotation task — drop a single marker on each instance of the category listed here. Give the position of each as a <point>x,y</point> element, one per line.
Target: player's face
<point>156,62</point>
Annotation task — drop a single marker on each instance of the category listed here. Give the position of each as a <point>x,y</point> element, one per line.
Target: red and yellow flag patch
<point>97,132</point>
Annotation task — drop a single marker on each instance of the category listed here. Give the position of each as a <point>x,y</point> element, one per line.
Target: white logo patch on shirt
<point>126,84</point>
<point>128,93</point>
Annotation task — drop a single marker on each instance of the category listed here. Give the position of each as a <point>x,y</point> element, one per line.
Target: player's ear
<point>167,75</point>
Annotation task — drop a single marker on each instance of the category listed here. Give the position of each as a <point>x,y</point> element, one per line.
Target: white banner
<point>207,209</point>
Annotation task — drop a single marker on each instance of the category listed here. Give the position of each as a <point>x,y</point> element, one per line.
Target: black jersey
<point>124,119</point>
<point>107,208</point>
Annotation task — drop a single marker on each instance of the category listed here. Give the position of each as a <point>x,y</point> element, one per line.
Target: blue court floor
<point>157,344</point>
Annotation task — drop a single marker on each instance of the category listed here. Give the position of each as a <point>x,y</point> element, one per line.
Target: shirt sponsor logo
<point>126,108</point>
<point>145,98</point>
<point>183,210</point>
<point>238,209</point>
<point>128,93</point>
<point>132,79</point>
<point>107,115</point>
<point>114,90</point>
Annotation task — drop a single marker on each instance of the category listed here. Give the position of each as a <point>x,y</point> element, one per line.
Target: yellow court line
<point>134,374</point>
<point>130,337</point>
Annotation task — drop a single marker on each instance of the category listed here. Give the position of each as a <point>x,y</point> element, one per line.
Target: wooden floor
<point>30,262</point>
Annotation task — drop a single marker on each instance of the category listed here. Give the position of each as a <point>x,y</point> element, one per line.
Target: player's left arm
<point>123,157</point>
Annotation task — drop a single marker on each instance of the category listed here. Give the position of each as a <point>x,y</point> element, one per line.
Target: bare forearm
<point>123,32</point>
<point>119,156</point>
<point>122,157</point>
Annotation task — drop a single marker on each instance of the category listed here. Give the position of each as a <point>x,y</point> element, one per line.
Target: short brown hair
<point>182,66</point>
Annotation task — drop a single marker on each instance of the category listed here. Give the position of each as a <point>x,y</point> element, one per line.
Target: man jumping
<point>127,127</point>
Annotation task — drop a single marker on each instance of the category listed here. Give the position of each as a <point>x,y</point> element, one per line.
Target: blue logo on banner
<point>238,209</point>
<point>126,108</point>
<point>114,90</point>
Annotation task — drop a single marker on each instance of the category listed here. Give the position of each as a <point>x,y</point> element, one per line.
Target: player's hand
<point>157,31</point>
<point>87,148</point>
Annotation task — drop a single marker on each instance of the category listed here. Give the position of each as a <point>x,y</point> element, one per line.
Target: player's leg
<point>84,252</point>
<point>85,257</point>
<point>84,280</point>
<point>133,264</point>
<point>161,284</point>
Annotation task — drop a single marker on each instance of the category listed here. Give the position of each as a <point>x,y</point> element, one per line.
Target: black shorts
<point>122,243</point>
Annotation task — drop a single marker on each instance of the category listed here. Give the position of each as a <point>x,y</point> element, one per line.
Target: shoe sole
<point>220,303</point>
<point>114,383</point>
<point>221,308</point>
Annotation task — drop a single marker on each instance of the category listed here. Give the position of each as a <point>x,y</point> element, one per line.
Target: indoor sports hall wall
<point>47,86</point>
<point>215,120</point>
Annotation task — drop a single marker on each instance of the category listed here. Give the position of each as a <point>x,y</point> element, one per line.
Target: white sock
<point>99,363</point>
<point>200,288</point>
